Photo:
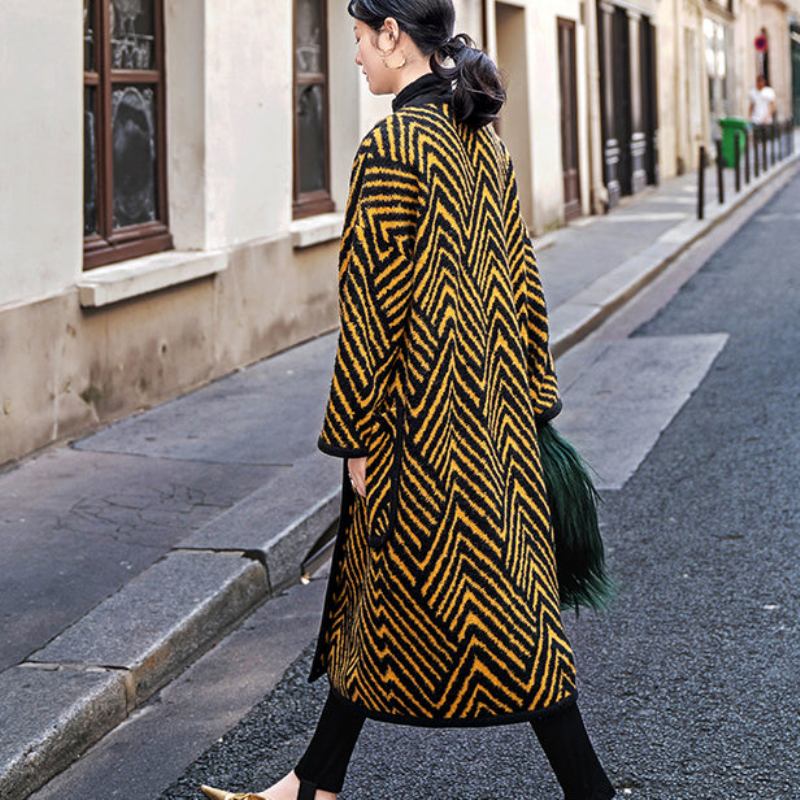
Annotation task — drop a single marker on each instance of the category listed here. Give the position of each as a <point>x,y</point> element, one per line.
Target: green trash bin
<point>731,128</point>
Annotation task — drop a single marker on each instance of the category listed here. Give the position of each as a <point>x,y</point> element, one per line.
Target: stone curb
<point>180,604</point>
<point>89,678</point>
<point>56,713</point>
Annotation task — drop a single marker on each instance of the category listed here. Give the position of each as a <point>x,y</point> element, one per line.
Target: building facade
<point>175,171</point>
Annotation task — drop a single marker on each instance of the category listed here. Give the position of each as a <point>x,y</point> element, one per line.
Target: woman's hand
<point>357,467</point>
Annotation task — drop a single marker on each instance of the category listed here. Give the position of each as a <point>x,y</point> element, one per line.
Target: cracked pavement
<point>76,526</point>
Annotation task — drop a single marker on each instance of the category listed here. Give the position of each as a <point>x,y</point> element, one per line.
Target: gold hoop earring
<point>384,57</point>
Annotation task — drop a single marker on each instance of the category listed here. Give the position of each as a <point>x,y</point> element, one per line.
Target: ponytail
<point>479,93</point>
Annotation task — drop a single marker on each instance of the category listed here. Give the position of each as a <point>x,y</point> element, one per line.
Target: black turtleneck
<point>424,89</point>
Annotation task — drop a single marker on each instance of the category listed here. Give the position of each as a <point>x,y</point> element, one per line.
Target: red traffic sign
<point>761,43</point>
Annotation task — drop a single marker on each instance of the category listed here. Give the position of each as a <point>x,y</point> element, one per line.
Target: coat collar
<point>424,89</point>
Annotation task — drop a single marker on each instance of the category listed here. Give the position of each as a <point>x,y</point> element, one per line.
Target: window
<point>124,178</point>
<point>311,136</point>
<point>716,48</point>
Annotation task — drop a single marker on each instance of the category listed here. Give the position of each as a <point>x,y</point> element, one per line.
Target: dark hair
<point>478,94</point>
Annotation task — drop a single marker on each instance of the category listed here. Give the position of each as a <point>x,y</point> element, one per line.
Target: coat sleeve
<point>376,261</point>
<point>522,261</point>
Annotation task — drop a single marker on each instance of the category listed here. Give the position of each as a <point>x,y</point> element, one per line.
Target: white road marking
<point>616,409</point>
<point>674,199</point>
<point>654,216</point>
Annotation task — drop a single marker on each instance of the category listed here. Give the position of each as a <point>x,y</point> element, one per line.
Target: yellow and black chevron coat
<point>442,602</point>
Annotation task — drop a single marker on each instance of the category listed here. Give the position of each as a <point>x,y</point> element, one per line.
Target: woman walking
<point>442,604</point>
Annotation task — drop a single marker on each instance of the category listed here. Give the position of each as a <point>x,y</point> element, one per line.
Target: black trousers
<point>561,733</point>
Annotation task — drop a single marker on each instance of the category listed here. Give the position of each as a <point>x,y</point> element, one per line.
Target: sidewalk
<point>127,554</point>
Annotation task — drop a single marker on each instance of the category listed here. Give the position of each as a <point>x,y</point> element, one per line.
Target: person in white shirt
<point>762,103</point>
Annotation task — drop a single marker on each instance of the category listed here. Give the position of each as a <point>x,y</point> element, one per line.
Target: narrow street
<point>689,683</point>
<point>243,240</point>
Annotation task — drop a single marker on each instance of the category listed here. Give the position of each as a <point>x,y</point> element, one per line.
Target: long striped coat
<point>442,602</point>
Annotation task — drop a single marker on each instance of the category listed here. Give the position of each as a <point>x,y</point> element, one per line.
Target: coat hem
<point>342,452</point>
<point>450,722</point>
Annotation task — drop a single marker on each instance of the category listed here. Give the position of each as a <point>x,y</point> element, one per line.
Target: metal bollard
<point>784,140</point>
<point>720,173</point>
<point>747,157</point>
<point>737,167</point>
<point>772,143</point>
<point>772,148</point>
<point>770,151</point>
<point>701,183</point>
<point>764,148</point>
<point>755,153</point>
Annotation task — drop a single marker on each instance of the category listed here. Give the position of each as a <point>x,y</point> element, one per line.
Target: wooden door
<point>649,98</point>
<point>637,92</point>
<point>567,72</point>
<point>608,117</point>
<point>621,77</point>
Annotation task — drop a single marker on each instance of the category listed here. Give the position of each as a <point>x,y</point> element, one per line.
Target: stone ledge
<point>317,229</point>
<point>161,620</point>
<point>137,276</point>
<point>51,715</point>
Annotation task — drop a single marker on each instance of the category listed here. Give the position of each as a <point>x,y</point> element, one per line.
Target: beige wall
<point>682,93</point>
<point>513,56</point>
<point>548,182</point>
<point>64,367</point>
<point>187,101</point>
<point>249,145</point>
<point>41,134</point>
<point>523,40</point>
<point>684,115</point>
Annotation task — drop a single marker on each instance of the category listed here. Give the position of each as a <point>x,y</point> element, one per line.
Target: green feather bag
<point>580,557</point>
<point>572,497</point>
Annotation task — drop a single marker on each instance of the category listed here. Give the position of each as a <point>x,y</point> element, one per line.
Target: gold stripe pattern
<point>442,603</point>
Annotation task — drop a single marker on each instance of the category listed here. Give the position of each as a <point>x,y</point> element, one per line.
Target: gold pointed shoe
<point>307,791</point>
<point>221,794</point>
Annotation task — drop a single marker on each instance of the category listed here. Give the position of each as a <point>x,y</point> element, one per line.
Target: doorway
<point>568,85</point>
<point>649,98</point>
<point>514,123</point>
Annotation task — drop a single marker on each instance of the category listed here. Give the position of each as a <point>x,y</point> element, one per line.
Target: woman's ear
<point>391,25</point>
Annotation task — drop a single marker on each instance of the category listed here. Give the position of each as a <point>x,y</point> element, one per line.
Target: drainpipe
<point>598,192</point>
<point>681,124</point>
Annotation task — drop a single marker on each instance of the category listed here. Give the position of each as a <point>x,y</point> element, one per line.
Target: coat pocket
<point>383,477</point>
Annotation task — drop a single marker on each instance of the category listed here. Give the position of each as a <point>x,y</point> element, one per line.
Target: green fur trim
<point>580,557</point>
